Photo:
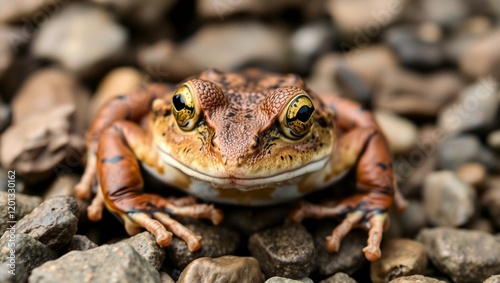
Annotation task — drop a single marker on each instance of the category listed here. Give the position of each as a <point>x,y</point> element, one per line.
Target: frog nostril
<point>255,142</point>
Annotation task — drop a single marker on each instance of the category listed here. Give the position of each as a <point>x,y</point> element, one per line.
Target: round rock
<point>400,257</point>
<point>230,269</point>
<point>464,255</point>
<point>416,279</point>
<point>108,263</point>
<point>448,201</point>
<point>145,244</point>
<point>339,277</point>
<point>286,251</point>
<point>216,242</point>
<point>401,133</point>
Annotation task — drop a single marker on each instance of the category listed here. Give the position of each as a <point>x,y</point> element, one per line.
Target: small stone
<point>475,109</point>
<point>224,9</point>
<point>54,222</point>
<point>20,274</point>
<point>457,151</point>
<point>165,278</point>
<point>401,133</point>
<point>230,269</point>
<point>286,251</point>
<point>120,81</point>
<point>145,244</point>
<point>135,10</point>
<point>216,242</point>
<point>24,205</point>
<point>29,253</point>
<point>339,277</point>
<point>361,20</point>
<point>350,256</point>
<point>493,279</point>
<point>448,201</point>
<point>416,279</point>
<point>108,263</point>
<point>13,11</point>
<point>277,279</point>
<point>78,243</point>
<point>447,13</point>
<point>466,35</point>
<point>412,51</point>
<point>494,140</point>
<point>481,224</point>
<point>65,37</point>
<point>46,134</point>
<point>272,49</point>
<point>409,93</point>
<point>308,41</point>
<point>400,257</point>
<point>412,219</point>
<point>474,174</point>
<point>490,200</point>
<point>249,221</point>
<point>64,185</point>
<point>481,58</point>
<point>464,255</point>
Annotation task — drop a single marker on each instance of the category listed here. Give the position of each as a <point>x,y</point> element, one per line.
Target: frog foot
<point>367,211</point>
<point>153,213</point>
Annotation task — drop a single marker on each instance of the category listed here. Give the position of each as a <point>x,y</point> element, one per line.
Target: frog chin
<point>247,183</point>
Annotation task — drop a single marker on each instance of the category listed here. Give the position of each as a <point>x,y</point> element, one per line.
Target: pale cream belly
<point>275,194</point>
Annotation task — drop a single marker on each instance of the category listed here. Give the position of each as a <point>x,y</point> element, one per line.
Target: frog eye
<point>296,121</point>
<point>184,109</point>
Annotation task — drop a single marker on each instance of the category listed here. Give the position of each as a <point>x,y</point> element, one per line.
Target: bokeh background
<point>429,69</point>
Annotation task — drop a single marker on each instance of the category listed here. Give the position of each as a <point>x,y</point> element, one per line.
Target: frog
<point>249,138</point>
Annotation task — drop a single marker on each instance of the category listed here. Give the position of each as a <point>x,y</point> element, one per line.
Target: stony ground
<point>429,69</point>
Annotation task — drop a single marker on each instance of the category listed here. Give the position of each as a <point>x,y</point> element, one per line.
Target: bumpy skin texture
<point>249,139</point>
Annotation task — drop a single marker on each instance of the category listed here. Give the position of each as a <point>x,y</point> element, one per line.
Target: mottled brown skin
<point>249,131</point>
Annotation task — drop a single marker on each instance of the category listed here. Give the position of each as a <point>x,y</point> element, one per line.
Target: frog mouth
<point>229,181</point>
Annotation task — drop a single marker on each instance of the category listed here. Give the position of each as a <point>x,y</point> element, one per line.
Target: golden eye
<point>184,108</point>
<point>297,120</point>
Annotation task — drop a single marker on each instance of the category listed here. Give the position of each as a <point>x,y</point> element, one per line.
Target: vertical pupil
<point>178,101</point>
<point>304,113</point>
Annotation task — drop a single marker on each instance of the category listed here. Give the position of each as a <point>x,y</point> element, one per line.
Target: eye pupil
<point>304,113</point>
<point>178,101</point>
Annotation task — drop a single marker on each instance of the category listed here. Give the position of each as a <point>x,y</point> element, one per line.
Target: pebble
<point>494,140</point>
<point>448,13</point>
<point>448,201</point>
<point>24,205</point>
<point>108,263</point>
<point>64,185</point>
<point>350,256</point>
<point>286,251</point>
<point>412,51</point>
<point>464,255</point>
<point>230,269</point>
<point>78,243</point>
<point>165,278</point>
<point>54,222</point>
<point>480,224</point>
<point>400,257</point>
<point>145,244</point>
<point>409,93</point>
<point>400,132</point>
<point>457,151</point>
<point>223,9</point>
<point>359,21</point>
<point>147,15</point>
<point>249,221</point>
<point>324,71</point>
<point>339,277</point>
<point>119,81</point>
<point>14,11</point>
<point>272,49</point>
<point>29,253</point>
<point>217,241</point>
<point>351,86</point>
<point>65,38</point>
<point>490,200</point>
<point>464,36</point>
<point>46,135</point>
<point>416,279</point>
<point>481,58</point>
<point>475,109</point>
<point>412,219</point>
<point>277,279</point>
<point>493,279</point>
<point>473,174</point>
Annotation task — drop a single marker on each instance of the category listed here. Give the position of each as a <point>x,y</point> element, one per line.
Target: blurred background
<point>429,69</point>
